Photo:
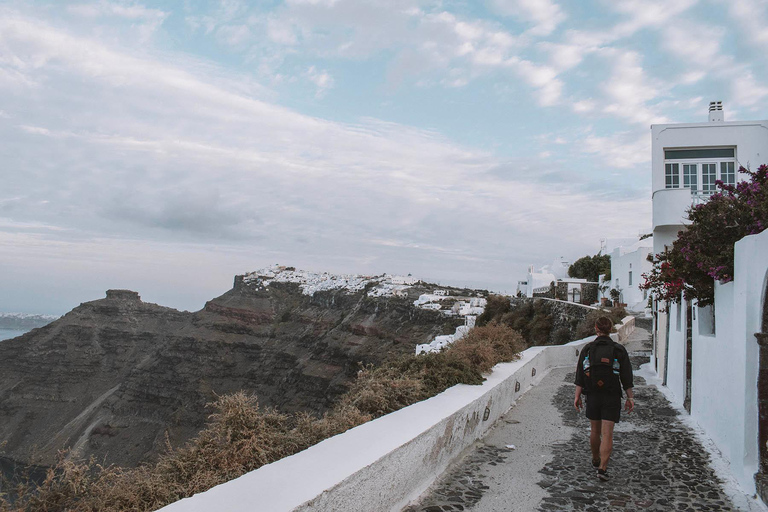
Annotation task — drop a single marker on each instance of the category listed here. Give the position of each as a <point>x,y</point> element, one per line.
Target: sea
<point>6,334</point>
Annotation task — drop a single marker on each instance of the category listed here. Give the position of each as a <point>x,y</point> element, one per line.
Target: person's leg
<point>606,443</point>
<point>594,438</point>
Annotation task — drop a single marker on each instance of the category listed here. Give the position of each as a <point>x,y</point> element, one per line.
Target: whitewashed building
<point>538,279</point>
<point>628,264</point>
<point>709,357</point>
<point>687,159</point>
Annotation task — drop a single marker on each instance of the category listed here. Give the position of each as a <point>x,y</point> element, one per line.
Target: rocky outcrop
<point>115,377</point>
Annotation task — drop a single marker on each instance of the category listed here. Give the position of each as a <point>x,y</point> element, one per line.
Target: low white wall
<point>660,342</point>
<point>725,365</point>
<point>676,352</point>
<point>625,328</point>
<point>390,461</point>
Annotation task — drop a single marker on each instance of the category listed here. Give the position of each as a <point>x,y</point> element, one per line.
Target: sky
<point>167,146</point>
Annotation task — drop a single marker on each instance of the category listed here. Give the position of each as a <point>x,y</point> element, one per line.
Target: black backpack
<point>601,368</point>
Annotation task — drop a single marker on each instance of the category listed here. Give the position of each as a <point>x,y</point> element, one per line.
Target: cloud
<point>696,44</point>
<point>752,18</point>
<point>623,150</point>
<point>644,14</point>
<point>116,146</point>
<point>543,78</point>
<point>322,80</point>
<point>544,15</point>
<point>146,20</point>
<point>746,91</point>
<point>628,90</point>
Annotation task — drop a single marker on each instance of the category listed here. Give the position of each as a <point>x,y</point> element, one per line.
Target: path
<point>537,458</point>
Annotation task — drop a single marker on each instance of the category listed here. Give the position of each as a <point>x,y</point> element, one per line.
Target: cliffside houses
<point>714,359</point>
<point>468,308</point>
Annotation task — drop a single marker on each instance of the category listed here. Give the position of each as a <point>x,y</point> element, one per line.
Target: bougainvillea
<point>703,252</point>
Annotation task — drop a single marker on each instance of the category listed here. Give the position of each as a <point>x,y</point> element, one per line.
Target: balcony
<point>670,205</point>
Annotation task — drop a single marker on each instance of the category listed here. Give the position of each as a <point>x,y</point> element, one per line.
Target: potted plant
<point>615,296</point>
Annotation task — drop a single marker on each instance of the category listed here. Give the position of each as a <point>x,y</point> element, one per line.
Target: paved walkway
<point>537,458</point>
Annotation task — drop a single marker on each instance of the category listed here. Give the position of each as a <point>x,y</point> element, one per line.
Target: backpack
<point>601,368</point>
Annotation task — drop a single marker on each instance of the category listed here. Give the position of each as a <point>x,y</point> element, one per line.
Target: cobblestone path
<point>657,462</point>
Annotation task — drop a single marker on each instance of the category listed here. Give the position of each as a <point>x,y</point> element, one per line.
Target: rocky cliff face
<point>114,376</point>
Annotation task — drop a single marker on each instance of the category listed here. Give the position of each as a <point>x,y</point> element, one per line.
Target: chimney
<point>716,111</point>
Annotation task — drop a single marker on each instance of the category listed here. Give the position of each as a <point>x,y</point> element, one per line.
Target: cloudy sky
<point>167,146</point>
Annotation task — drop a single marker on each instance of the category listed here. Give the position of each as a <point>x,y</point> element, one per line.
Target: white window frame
<point>671,175</point>
<point>677,171</point>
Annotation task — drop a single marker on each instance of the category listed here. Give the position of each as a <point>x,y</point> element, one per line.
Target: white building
<point>709,357</point>
<point>542,277</point>
<point>687,159</point>
<point>628,264</point>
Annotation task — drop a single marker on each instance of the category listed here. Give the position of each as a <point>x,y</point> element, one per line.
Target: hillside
<point>114,376</point>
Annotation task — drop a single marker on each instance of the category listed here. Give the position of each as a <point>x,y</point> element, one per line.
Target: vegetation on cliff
<point>544,322</point>
<point>240,436</point>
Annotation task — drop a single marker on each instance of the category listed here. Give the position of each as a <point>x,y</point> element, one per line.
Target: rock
<point>114,376</point>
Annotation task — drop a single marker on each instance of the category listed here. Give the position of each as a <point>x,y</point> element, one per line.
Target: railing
<point>699,197</point>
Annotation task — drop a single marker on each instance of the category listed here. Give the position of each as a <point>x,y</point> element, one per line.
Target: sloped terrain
<point>114,377</point>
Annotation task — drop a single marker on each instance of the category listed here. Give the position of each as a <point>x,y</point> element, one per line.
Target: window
<point>689,154</point>
<point>727,173</point>
<point>630,278</point>
<point>708,177</point>
<point>690,173</point>
<point>672,175</point>
<point>700,168</point>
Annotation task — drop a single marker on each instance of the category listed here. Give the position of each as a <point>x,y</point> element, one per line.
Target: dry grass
<point>240,436</point>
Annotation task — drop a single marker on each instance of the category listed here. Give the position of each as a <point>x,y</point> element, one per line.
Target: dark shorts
<point>604,407</point>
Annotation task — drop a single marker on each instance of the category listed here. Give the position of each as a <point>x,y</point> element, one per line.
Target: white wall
<point>631,259</point>
<point>725,365</point>
<point>676,381</point>
<point>660,342</point>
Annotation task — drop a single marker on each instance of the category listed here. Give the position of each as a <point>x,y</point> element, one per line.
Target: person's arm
<point>625,371</point>
<point>577,399</point>
<point>629,404</point>
<point>579,381</point>
<point>627,381</point>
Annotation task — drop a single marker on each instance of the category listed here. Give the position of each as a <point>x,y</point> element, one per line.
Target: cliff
<point>114,377</point>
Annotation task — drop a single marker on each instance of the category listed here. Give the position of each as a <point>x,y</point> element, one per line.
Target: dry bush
<point>484,347</point>
<point>379,391</point>
<point>240,437</point>
<point>410,379</point>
